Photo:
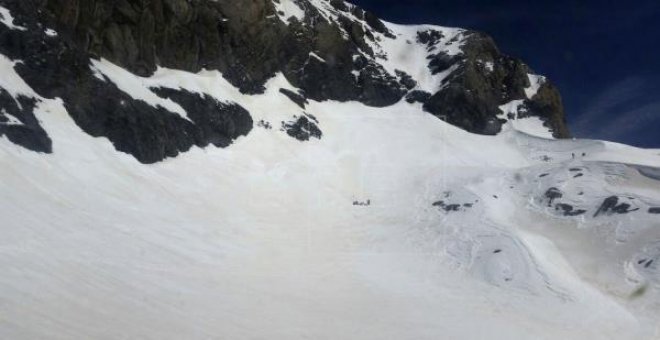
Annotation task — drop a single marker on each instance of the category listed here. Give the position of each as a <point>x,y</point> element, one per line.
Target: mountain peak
<point>327,50</point>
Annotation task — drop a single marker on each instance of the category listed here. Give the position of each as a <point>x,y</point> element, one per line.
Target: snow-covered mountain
<point>299,169</point>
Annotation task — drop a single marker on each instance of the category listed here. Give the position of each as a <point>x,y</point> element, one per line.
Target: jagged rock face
<point>55,67</point>
<point>484,80</point>
<point>139,35</point>
<point>243,40</point>
<point>329,50</point>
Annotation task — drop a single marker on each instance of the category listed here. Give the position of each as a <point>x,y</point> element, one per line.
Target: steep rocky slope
<point>328,50</point>
<point>314,173</point>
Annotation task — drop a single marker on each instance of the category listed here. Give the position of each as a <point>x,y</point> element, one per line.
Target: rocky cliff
<point>328,50</point>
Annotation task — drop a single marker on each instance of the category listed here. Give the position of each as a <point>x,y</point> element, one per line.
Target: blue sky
<point>603,55</point>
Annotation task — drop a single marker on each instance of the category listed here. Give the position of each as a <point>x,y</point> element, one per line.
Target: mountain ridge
<point>328,50</point>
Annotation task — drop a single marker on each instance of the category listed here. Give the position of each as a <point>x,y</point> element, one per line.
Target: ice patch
<point>535,84</point>
<point>8,20</point>
<point>317,57</point>
<point>489,66</point>
<point>11,81</point>
<point>287,9</point>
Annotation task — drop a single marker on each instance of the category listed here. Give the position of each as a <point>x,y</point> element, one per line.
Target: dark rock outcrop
<point>452,207</point>
<point>569,210</point>
<point>552,194</point>
<point>547,105</point>
<point>19,125</point>
<point>611,206</point>
<point>483,80</point>
<point>303,128</point>
<point>215,122</point>
<point>418,97</point>
<point>295,97</point>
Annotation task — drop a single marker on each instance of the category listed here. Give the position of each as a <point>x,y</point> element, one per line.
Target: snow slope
<point>465,236</point>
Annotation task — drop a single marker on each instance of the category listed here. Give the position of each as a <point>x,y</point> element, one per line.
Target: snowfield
<point>464,236</point>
